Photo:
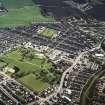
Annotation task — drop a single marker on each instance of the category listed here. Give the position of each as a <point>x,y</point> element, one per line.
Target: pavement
<point>70,69</point>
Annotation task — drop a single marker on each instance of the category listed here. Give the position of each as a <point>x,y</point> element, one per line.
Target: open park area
<point>32,69</point>
<point>48,32</point>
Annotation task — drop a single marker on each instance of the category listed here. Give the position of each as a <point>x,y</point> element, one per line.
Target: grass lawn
<point>21,12</point>
<point>15,55</point>
<point>25,64</point>
<point>32,83</point>
<point>48,32</point>
<point>9,4</point>
<point>2,64</point>
<point>24,67</point>
<point>28,69</point>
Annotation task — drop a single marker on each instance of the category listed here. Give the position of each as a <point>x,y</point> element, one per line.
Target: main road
<point>70,69</point>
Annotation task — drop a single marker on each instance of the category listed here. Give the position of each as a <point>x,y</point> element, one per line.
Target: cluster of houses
<point>73,37</point>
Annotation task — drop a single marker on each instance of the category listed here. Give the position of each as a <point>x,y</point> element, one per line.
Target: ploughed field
<point>21,12</point>
<point>31,68</point>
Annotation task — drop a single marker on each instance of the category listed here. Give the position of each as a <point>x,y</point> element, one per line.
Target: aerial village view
<point>52,52</point>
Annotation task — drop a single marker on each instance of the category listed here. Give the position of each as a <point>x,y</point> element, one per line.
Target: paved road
<point>70,69</point>
<point>10,96</point>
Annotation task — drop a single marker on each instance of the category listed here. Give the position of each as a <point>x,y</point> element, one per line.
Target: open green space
<point>15,55</point>
<point>89,87</point>
<point>26,61</point>
<point>21,12</point>
<point>48,32</point>
<point>2,64</point>
<point>34,71</point>
<point>33,83</point>
<point>9,4</point>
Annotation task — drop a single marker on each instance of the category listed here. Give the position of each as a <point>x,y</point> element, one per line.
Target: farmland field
<point>21,12</point>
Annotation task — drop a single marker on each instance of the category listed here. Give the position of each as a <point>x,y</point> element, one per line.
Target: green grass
<point>25,64</point>
<point>2,64</point>
<point>28,69</point>
<point>32,83</point>
<point>24,67</point>
<point>21,13</point>
<point>15,55</point>
<point>16,3</point>
<point>48,32</point>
